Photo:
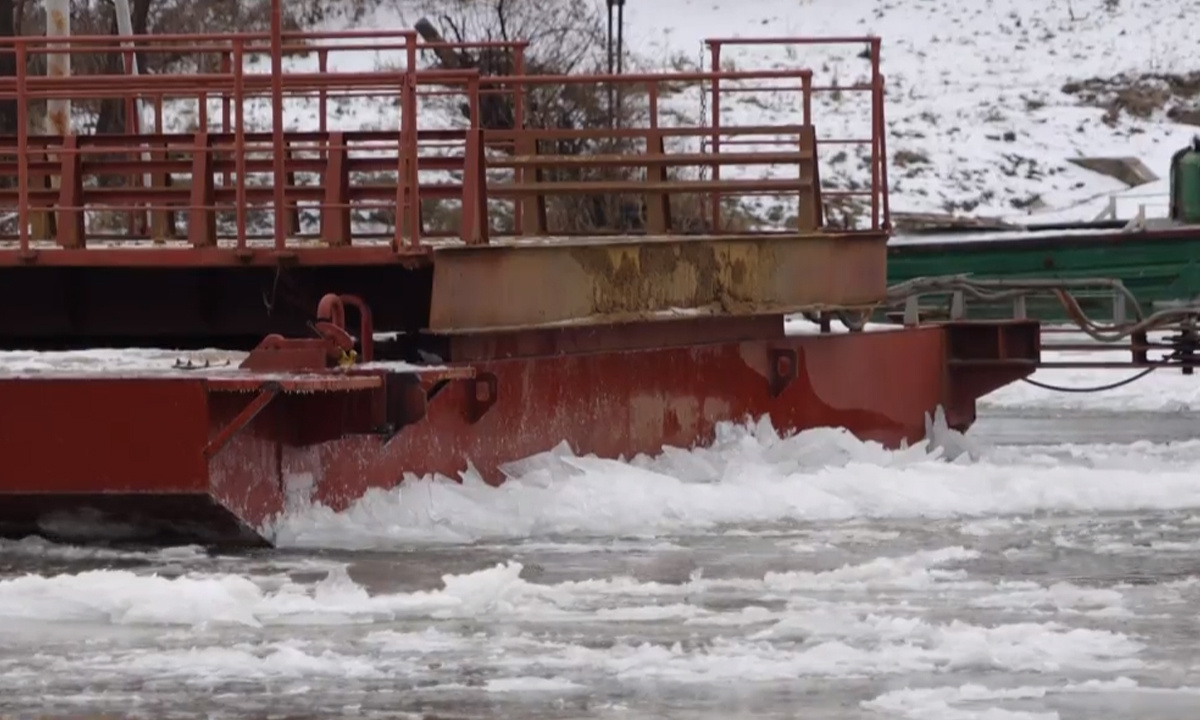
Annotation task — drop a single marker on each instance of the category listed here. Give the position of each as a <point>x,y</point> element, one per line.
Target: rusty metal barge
<point>388,347</point>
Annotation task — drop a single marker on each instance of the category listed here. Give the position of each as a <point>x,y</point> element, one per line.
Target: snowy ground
<point>978,121</point>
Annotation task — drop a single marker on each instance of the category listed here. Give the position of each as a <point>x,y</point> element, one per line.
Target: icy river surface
<point>1051,572</point>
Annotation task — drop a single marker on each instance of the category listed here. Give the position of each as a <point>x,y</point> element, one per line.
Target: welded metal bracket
<point>406,403</point>
<point>408,397</point>
<point>484,389</point>
<point>260,402</point>
<point>782,370</point>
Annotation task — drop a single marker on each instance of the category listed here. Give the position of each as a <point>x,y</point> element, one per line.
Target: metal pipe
<point>370,80</point>
<point>608,48</point>
<point>833,40</point>
<point>620,54</point>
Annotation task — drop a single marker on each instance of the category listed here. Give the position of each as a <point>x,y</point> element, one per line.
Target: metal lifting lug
<point>333,347</point>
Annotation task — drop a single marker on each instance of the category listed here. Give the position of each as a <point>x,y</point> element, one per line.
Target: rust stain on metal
<point>58,20</point>
<point>59,122</point>
<point>642,278</point>
<point>516,286</point>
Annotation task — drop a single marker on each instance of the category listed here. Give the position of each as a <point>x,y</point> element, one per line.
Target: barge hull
<point>213,458</point>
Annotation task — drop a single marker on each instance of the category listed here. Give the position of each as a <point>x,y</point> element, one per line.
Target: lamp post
<point>616,59</point>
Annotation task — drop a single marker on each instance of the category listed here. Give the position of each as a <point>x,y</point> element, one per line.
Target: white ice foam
<point>531,684</point>
<point>205,666</point>
<point>126,598</point>
<point>749,476</point>
<point>944,703</point>
<point>977,702</point>
<point>1058,598</point>
<point>860,619</point>
<point>878,646</point>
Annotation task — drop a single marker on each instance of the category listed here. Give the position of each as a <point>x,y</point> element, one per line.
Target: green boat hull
<point>1156,266</point>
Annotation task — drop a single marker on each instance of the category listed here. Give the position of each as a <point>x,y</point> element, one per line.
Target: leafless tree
<point>565,37</point>
<point>98,17</point>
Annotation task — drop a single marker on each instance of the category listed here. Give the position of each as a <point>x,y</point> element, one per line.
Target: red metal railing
<point>880,212</point>
<point>254,186</point>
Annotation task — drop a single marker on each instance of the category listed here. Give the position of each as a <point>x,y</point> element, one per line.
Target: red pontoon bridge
<point>421,296</point>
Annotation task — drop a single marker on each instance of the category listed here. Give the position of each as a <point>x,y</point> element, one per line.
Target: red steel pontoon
<point>485,346</point>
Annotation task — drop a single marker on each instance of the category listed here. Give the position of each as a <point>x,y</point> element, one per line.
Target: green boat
<point>1157,259</point>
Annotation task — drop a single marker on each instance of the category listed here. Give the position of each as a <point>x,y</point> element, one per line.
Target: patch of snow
<point>151,362</point>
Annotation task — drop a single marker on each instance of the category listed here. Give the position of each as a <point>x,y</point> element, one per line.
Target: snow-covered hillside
<point>979,121</point>
<point>987,99</point>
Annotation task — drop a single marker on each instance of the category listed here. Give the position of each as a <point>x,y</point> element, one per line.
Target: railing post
<point>226,111</point>
<point>323,127</point>
<point>883,156</point>
<point>278,156</point>
<point>658,204</point>
<point>877,130</point>
<point>22,149</point>
<point>474,227</point>
<point>70,228</point>
<point>202,217</point>
<point>401,213</point>
<point>806,97</point>
<point>414,170</point>
<point>162,219</point>
<point>519,92</point>
<point>323,97</point>
<point>715,104</point>
<point>336,229</point>
<point>239,142</point>
<point>408,195</point>
<point>809,214</point>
